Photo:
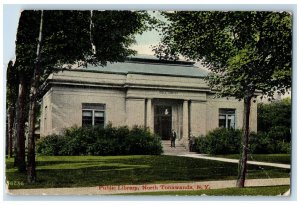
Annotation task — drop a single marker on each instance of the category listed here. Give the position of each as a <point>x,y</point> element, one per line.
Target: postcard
<point>142,102</point>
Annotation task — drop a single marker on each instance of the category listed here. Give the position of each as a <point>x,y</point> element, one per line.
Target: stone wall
<point>130,100</point>
<point>66,106</point>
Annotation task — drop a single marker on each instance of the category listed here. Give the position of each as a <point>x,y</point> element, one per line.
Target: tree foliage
<point>67,37</point>
<point>60,38</point>
<point>274,114</point>
<point>12,87</point>
<point>274,127</point>
<point>246,51</point>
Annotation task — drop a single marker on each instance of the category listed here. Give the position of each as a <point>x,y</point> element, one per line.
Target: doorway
<point>163,121</point>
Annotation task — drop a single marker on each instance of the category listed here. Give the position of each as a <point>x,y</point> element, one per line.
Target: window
<point>93,114</point>
<point>227,118</point>
<point>87,117</point>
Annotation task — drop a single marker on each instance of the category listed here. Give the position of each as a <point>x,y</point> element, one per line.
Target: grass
<point>275,158</point>
<point>248,191</point>
<point>87,171</point>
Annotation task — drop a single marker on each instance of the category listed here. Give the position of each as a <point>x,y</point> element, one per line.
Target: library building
<point>143,91</point>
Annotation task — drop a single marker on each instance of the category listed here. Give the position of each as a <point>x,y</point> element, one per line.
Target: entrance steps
<point>178,150</point>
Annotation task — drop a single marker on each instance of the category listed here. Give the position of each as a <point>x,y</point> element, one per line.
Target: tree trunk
<point>20,120</point>
<point>91,33</point>
<point>245,141</point>
<point>31,171</point>
<point>10,123</point>
<point>15,134</point>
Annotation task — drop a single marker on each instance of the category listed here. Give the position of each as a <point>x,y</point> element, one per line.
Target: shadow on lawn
<point>95,171</point>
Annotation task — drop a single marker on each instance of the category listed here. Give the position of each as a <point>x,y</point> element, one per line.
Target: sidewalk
<point>124,189</point>
<point>285,166</point>
<point>180,150</point>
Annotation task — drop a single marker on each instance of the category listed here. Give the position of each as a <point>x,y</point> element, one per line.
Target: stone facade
<point>184,100</point>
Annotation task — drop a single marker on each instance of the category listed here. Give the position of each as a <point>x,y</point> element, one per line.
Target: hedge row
<point>277,140</point>
<point>219,141</point>
<point>101,141</point>
<point>228,141</point>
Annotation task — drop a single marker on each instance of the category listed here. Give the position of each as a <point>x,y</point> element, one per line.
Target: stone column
<point>149,119</point>
<point>198,118</point>
<point>185,121</point>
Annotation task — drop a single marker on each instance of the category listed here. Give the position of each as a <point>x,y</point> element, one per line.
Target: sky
<point>10,23</point>
<point>11,14</point>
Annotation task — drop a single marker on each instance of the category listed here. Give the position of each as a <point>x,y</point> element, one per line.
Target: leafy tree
<point>273,115</point>
<point>274,122</point>
<point>48,39</point>
<point>11,100</point>
<point>246,52</point>
<point>22,68</point>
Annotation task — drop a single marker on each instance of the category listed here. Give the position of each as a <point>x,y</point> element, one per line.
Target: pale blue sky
<point>11,15</point>
<point>10,24</point>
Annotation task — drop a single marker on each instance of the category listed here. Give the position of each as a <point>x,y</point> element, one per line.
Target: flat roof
<point>148,65</point>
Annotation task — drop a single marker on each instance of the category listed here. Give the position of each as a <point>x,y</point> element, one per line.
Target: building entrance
<point>163,121</point>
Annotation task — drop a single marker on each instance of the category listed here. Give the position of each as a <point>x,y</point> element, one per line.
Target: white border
<point>155,4</point>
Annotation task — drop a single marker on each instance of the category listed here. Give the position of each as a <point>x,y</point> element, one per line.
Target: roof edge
<point>158,61</point>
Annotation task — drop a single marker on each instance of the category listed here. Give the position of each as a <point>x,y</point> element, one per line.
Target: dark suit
<point>173,138</point>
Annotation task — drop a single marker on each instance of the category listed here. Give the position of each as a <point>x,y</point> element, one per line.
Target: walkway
<point>122,189</point>
<point>200,156</point>
<point>180,150</point>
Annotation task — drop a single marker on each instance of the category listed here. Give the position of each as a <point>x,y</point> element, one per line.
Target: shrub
<point>260,143</point>
<point>274,114</point>
<point>269,143</point>
<point>101,141</point>
<point>228,141</point>
<point>281,133</point>
<point>141,141</point>
<point>201,144</point>
<point>219,141</point>
<point>51,145</point>
<point>284,147</point>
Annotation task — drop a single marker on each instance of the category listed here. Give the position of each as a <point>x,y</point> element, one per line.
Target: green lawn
<point>275,158</point>
<point>248,191</point>
<point>84,171</point>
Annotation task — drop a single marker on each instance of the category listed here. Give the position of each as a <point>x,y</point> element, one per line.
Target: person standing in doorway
<point>173,138</point>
